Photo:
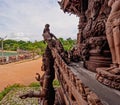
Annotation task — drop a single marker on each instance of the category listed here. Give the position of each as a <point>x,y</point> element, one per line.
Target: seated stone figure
<point>113,34</point>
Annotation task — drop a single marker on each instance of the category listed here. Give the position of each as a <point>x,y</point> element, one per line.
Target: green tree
<point>37,46</point>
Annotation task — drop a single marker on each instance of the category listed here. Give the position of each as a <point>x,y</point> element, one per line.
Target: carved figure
<point>47,94</point>
<point>92,41</point>
<point>113,33</point>
<point>92,45</point>
<point>52,41</point>
<point>46,33</point>
<point>111,76</point>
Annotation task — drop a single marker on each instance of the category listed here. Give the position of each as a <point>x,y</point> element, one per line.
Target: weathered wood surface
<point>74,77</point>
<point>74,89</point>
<point>107,95</point>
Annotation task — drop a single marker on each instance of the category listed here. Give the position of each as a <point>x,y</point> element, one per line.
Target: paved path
<point>107,95</point>
<point>23,73</point>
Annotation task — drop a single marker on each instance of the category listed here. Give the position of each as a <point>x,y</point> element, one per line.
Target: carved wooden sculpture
<point>111,76</point>
<point>47,94</point>
<point>77,86</point>
<point>92,44</point>
<point>113,32</point>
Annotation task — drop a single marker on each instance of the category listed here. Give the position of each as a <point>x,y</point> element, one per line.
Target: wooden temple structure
<point>79,82</point>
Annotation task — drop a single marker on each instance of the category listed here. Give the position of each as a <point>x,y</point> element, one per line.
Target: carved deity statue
<point>113,33</point>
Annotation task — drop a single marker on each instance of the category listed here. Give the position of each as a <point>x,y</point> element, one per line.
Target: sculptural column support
<point>110,38</point>
<point>111,75</point>
<point>116,33</point>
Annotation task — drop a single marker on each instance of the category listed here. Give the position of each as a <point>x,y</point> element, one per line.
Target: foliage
<point>34,84</point>
<point>37,46</point>
<point>56,83</point>
<point>68,43</point>
<point>7,89</point>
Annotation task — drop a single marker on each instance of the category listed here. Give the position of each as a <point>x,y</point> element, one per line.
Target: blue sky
<point>25,19</point>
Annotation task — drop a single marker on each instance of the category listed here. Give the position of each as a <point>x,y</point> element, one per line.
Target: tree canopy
<point>39,46</point>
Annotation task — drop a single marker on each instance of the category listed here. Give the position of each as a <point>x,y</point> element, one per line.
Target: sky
<point>25,20</point>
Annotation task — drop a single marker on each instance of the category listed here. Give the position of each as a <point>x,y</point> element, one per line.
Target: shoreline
<point>8,51</point>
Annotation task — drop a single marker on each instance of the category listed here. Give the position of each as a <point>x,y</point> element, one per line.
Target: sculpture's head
<point>47,25</point>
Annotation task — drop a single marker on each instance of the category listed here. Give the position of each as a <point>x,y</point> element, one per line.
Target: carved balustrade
<point>75,91</point>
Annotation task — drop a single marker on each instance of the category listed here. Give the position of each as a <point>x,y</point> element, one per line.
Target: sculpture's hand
<point>37,77</point>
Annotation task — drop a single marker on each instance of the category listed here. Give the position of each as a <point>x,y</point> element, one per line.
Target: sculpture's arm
<point>37,77</point>
<point>53,36</point>
<point>30,95</point>
<point>34,94</point>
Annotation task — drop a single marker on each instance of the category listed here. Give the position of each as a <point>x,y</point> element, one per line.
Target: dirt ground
<point>23,73</point>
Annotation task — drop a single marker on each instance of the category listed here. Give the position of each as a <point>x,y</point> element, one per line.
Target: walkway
<point>23,73</point>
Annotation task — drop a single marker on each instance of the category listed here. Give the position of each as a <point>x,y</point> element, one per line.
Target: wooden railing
<point>75,92</point>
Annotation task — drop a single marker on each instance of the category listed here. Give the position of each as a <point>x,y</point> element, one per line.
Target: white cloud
<point>28,17</point>
<point>19,36</point>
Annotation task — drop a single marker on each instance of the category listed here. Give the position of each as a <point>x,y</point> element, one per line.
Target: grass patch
<point>7,89</point>
<point>33,84</point>
<point>12,98</point>
<point>56,83</point>
<point>36,84</point>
